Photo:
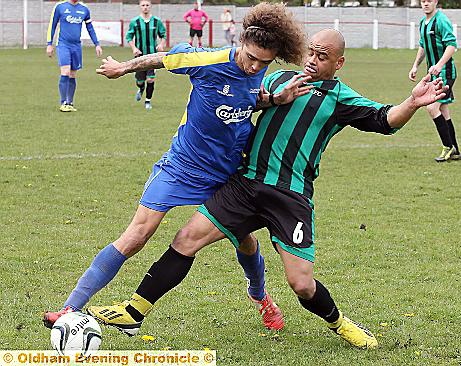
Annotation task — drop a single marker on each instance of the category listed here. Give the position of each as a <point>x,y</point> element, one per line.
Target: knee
<point>131,242</point>
<point>187,241</point>
<point>249,245</point>
<point>303,287</point>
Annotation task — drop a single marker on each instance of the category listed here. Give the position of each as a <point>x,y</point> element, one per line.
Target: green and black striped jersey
<point>146,33</point>
<point>288,140</point>
<point>435,36</point>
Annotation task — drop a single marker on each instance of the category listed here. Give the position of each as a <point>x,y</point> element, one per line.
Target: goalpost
<point>25,20</point>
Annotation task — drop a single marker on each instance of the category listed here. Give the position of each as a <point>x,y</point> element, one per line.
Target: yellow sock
<point>141,304</point>
<point>337,323</point>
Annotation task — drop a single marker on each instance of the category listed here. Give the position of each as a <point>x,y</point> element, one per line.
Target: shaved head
<point>330,38</point>
<point>325,54</point>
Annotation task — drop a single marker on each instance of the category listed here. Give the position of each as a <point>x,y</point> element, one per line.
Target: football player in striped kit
<point>274,186</point>
<point>142,36</point>
<point>437,44</point>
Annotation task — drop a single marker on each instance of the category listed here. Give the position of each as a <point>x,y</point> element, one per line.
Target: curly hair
<point>273,26</point>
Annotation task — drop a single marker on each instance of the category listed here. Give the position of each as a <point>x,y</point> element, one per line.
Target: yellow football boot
<point>117,317</point>
<point>354,333</point>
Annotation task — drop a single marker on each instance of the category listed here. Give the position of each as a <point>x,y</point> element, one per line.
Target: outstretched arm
<point>113,69</point>
<point>424,93</point>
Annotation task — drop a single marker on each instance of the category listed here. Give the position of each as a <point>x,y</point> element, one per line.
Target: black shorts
<point>195,32</point>
<point>244,205</point>
<point>450,96</point>
<point>144,75</point>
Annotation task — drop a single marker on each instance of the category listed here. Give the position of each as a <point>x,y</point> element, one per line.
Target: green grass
<point>69,184</point>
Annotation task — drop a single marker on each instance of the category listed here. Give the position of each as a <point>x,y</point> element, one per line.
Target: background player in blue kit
<point>70,15</point>
<point>208,146</point>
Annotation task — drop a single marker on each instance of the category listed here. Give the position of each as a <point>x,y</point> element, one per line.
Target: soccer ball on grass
<point>76,332</point>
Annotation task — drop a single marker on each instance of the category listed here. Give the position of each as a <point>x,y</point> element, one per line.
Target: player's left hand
<point>296,87</point>
<point>427,92</point>
<point>111,68</point>
<point>98,51</point>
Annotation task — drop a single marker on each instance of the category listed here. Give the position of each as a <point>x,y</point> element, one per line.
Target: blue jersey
<point>70,18</point>
<point>217,122</point>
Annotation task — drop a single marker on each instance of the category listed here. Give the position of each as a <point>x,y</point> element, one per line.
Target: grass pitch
<point>70,182</point>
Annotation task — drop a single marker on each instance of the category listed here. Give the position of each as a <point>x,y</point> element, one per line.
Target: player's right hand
<point>50,50</point>
<point>412,74</point>
<point>111,68</point>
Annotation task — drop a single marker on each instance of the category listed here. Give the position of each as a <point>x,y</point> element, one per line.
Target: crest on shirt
<point>225,91</point>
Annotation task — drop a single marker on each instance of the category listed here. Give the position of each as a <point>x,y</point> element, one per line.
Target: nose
<point>257,66</point>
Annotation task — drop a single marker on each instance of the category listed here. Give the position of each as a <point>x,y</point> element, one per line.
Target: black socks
<point>321,304</point>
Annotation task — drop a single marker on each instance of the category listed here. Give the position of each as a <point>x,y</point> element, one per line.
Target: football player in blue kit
<point>207,147</point>
<point>70,15</point>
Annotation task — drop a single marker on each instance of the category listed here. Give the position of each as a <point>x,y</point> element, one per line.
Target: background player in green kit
<point>438,44</point>
<point>145,29</point>
<point>274,187</point>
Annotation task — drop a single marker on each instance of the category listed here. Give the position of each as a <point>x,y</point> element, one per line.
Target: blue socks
<point>102,270</point>
<point>63,87</point>
<point>71,90</point>
<point>253,266</point>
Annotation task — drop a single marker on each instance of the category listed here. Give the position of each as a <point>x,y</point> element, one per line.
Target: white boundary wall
<point>392,25</point>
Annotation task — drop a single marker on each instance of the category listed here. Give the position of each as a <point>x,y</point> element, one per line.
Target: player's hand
<point>111,68</point>
<point>50,50</point>
<point>98,51</point>
<point>434,70</point>
<point>137,52</point>
<point>296,87</point>
<point>427,92</point>
<point>412,73</point>
<point>160,48</point>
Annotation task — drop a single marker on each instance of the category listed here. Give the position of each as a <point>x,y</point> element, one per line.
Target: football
<point>76,332</point>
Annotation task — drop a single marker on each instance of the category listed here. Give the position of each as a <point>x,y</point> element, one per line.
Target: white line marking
<point>109,155</point>
<point>74,156</point>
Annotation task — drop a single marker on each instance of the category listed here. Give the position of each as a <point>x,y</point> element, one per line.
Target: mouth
<point>310,69</point>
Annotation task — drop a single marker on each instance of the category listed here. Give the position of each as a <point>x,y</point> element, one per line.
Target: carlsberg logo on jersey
<point>231,115</point>
<point>74,20</point>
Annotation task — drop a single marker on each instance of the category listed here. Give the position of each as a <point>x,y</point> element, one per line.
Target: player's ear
<point>340,62</point>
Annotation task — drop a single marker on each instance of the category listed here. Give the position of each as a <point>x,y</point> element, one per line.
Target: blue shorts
<point>168,187</point>
<point>70,55</point>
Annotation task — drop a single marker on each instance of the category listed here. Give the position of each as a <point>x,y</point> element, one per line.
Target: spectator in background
<point>232,32</point>
<point>196,18</point>
<point>226,19</point>
<point>142,38</point>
